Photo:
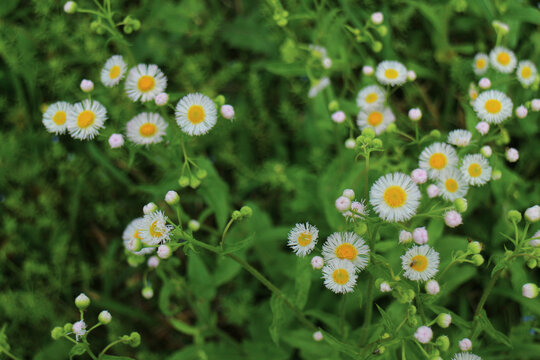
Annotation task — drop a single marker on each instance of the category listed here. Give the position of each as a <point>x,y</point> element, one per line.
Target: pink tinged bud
<point>227,111</point>
<point>350,143</point>
<point>419,176</point>
<point>432,191</point>
<point>327,63</point>
<point>338,117</point>
<point>535,105</point>
<point>521,112</point>
<point>161,99</point>
<point>411,75</point>
<point>317,262</point>
<point>423,334</point>
<point>385,287</point>
<point>343,203</point>
<point>87,85</point>
<point>415,114</point>
<point>153,262</point>
<point>116,141</point>
<point>482,127</point>
<point>317,336</point>
<point>484,83</point>
<point>420,235</point>
<point>377,17</point>
<point>164,251</point>
<point>512,155</point>
<point>452,219</point>
<point>432,287</point>
<point>532,214</point>
<point>405,237</point>
<point>367,70</point>
<point>465,345</point>
<point>349,193</point>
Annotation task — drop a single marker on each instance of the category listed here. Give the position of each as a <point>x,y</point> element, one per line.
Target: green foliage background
<point>64,203</point>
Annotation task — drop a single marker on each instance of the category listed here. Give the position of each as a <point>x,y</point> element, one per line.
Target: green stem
<point>419,304</point>
<point>70,339</point>
<point>225,234</point>
<point>483,300</point>
<point>2,350</point>
<point>342,314</point>
<point>447,268</point>
<point>108,347</point>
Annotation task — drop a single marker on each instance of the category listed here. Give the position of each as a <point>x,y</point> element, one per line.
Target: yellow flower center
<point>371,98</point>
<point>375,118</point>
<point>340,276</point>
<point>526,72</point>
<point>391,73</point>
<point>503,58</point>
<point>148,130</point>
<point>451,185</point>
<point>59,118</point>
<point>304,239</point>
<point>437,161</point>
<point>475,170</point>
<point>480,63</point>
<point>346,251</point>
<point>195,114</point>
<point>395,196</point>
<point>153,231</point>
<point>419,263</point>
<point>85,119</point>
<point>114,72</point>
<point>493,106</point>
<point>146,83</point>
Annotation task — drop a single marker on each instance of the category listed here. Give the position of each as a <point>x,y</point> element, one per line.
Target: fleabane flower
<point>145,82</point>
<point>346,246</point>
<point>132,238</point>
<point>55,117</point>
<point>146,128</point>
<point>85,119</point>
<point>113,71</point>
<point>475,169</point>
<point>395,197</point>
<point>155,229</point>
<point>376,118</point>
<point>493,106</point>
<point>196,114</point>
<point>480,63</point>
<point>391,73</point>
<point>526,72</point>
<point>420,263</point>
<point>466,356</point>
<point>371,96</point>
<point>502,59</point>
<point>303,238</point>
<point>459,137</point>
<point>452,184</point>
<point>339,276</point>
<point>436,158</point>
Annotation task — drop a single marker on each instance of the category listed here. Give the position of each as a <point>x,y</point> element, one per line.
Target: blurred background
<point>64,203</point>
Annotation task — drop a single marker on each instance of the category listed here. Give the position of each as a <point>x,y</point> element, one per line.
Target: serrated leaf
<point>76,350</point>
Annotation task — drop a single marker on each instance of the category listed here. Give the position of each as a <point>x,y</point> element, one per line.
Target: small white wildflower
<point>385,287</point>
<point>419,176</point>
<point>327,63</point>
<point>79,328</point>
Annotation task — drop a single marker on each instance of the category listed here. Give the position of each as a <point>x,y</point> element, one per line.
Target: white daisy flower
<point>113,71</point>
<point>452,184</point>
<point>146,128</point>
<point>339,276</point>
<point>346,246</point>
<point>155,229</point>
<point>391,73</point>
<point>493,106</point>
<point>503,59</point>
<point>466,356</point>
<point>303,238</point>
<point>144,82</point>
<point>526,72</point>
<point>436,158</point>
<point>480,63</point>
<point>55,117</point>
<point>196,114</point>
<point>132,237</point>
<point>376,118</point>
<point>459,137</point>
<point>420,263</point>
<point>475,169</point>
<point>371,96</point>
<point>84,119</point>
<point>395,197</point>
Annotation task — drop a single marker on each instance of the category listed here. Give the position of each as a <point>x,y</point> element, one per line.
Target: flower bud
<point>194,225</point>
<point>452,219</point>
<point>227,111</point>
<point>164,251</point>
<point>246,211</point>
<point>385,287</point>
<point>415,114</point>
<point>474,247</point>
<point>327,63</point>
<point>161,99</point>
<point>532,214</point>
<point>486,151</point>
<point>496,174</point>
<point>317,336</point>
<point>444,320</point>
<point>477,259</point>
<point>529,290</point>
<point>535,105</point>
<point>532,263</point>
<point>116,141</point>
<point>482,127</point>
<point>419,176</point>
<point>87,85</point>
<point>500,27</point>
<point>79,328</point>
<point>405,237</point>
<point>350,143</point>
<point>391,128</point>
<point>484,83</point>
<point>104,317</point>
<point>153,262</point>
<point>512,155</point>
<point>465,344</point>
<point>432,191</point>
<point>368,133</point>
<point>432,287</point>
<point>411,75</point>
<point>183,181</point>
<point>521,112</point>
<point>423,334</point>
<point>194,182</point>
<point>461,204</point>
<point>236,215</point>
<point>147,292</point>
<point>514,216</point>
<point>435,134</point>
<point>201,174</point>
<point>68,327</point>
<point>411,310</point>
<point>57,333</point>
<point>420,235</point>
<point>149,208</point>
<point>317,262</point>
<point>70,7</point>
<point>377,18</point>
<point>376,46</point>
<point>82,301</point>
<point>443,342</point>
<point>368,70</point>
<point>172,197</point>
<point>338,117</point>
<point>360,228</point>
<point>349,193</point>
<point>134,339</point>
<point>343,203</point>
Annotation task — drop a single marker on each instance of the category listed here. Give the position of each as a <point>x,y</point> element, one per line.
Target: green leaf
<point>341,346</point>
<point>183,327</point>
<point>302,281</point>
<point>200,279</point>
<point>496,335</point>
<point>77,349</point>
<point>276,304</point>
<point>226,270</point>
<point>386,318</point>
<point>215,192</point>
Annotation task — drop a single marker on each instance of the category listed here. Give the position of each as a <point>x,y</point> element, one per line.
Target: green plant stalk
<point>483,300</point>
<point>108,347</point>
<point>225,234</point>
<point>10,355</point>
